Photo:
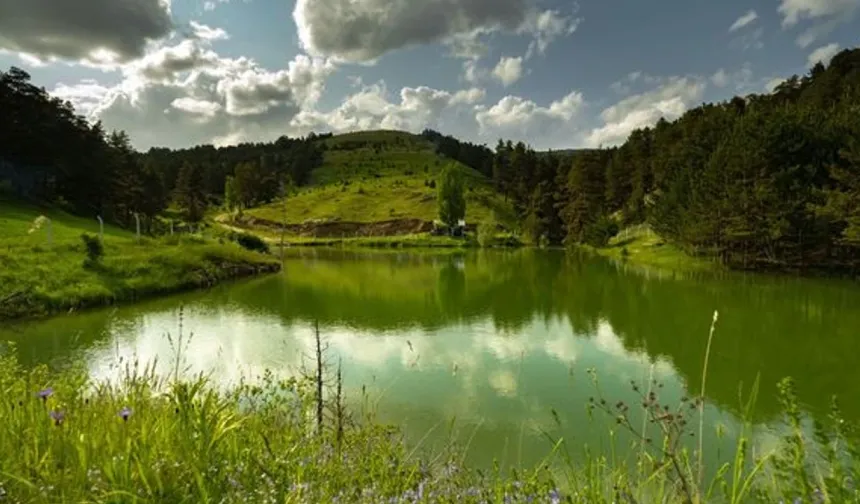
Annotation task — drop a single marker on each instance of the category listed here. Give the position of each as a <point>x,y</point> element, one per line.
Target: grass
<point>178,439</point>
<point>387,198</point>
<point>39,278</point>
<point>639,245</point>
<point>392,177</point>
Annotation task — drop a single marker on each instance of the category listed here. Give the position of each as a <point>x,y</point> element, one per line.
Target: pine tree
<point>190,195</point>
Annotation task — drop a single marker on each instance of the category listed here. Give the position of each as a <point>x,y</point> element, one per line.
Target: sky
<point>552,73</point>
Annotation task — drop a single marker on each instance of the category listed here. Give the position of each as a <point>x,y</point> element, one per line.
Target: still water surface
<point>494,343</point>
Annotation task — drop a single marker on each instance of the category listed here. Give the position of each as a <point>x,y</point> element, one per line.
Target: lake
<point>493,348</point>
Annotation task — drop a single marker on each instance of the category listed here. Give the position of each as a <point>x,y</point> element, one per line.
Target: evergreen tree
<point>190,195</point>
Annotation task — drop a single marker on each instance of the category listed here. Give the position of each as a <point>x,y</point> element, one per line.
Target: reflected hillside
<point>387,291</point>
<point>770,326</point>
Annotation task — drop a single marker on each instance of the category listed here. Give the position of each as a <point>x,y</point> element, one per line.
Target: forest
<point>49,154</point>
<point>764,181</point>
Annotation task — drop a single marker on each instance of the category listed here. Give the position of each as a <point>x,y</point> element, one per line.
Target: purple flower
<point>58,417</point>
<point>45,394</point>
<point>554,496</point>
<point>125,412</point>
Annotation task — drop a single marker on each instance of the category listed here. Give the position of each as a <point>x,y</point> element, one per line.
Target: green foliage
<point>487,233</point>
<point>599,232</point>
<point>231,194</point>
<point>52,155</point>
<point>189,192</point>
<point>93,247</point>
<point>766,181</point>
<point>450,197</point>
<point>251,242</point>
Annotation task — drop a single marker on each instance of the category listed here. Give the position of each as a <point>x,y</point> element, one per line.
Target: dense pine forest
<point>759,182</point>
<point>762,181</point>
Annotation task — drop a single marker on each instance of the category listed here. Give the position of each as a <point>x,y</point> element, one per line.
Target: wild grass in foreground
<point>144,438</point>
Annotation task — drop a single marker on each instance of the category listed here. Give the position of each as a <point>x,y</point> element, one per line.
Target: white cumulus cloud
<point>508,70</point>
<point>669,100</point>
<point>823,54</point>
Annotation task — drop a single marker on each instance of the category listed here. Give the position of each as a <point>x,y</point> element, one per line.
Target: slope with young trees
<point>71,199</point>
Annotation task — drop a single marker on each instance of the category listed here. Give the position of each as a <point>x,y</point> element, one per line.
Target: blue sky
<point>566,74</point>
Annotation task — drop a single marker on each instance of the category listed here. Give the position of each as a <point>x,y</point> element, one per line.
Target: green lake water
<point>492,346</point>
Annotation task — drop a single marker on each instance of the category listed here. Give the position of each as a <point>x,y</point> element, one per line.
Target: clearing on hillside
<point>373,176</point>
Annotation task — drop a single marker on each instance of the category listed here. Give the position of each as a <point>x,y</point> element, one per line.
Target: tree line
<point>762,181</point>
<point>50,154</point>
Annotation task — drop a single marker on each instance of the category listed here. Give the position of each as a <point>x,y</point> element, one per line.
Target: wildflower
<point>124,413</point>
<point>58,417</point>
<point>46,393</point>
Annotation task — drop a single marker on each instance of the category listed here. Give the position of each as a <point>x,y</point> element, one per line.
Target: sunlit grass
<point>387,198</point>
<point>643,247</point>
<point>43,267</point>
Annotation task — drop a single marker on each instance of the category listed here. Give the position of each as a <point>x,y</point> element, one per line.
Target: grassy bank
<point>45,268</point>
<point>641,246</point>
<point>412,240</point>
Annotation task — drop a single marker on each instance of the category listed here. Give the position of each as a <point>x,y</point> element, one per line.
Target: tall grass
<point>151,438</point>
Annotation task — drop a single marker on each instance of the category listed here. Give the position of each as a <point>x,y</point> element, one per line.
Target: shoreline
<point>146,273</point>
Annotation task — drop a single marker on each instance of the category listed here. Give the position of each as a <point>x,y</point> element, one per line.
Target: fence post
<point>137,223</point>
<point>101,228</point>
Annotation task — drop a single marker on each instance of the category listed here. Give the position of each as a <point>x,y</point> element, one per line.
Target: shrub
<point>93,247</point>
<point>486,233</point>
<point>601,231</point>
<point>251,242</point>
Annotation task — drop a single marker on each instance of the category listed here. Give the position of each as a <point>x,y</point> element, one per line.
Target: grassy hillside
<point>39,277</point>
<point>376,176</point>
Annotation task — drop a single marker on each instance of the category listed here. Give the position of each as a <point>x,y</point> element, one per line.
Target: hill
<point>372,177</point>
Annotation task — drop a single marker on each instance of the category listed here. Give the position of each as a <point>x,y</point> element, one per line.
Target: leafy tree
<point>451,199</point>
<point>231,194</point>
